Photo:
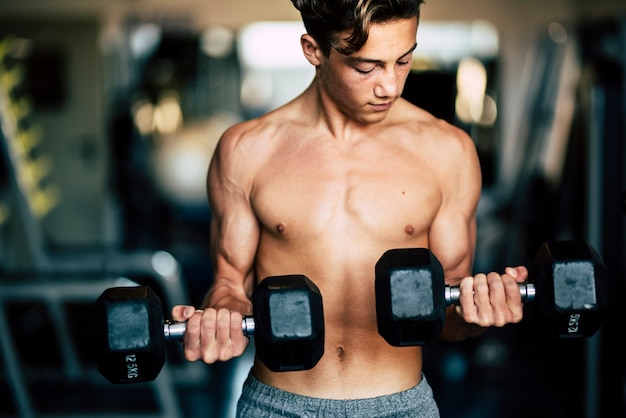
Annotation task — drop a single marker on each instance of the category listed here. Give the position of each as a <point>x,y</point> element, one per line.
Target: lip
<point>381,107</point>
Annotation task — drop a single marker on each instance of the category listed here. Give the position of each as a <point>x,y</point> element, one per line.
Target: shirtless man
<point>323,186</point>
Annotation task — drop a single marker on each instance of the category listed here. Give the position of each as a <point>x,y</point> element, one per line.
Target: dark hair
<point>324,20</point>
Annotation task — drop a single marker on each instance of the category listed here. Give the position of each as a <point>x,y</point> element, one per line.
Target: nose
<point>387,84</point>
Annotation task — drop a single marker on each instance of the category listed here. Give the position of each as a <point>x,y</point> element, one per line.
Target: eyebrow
<point>377,61</point>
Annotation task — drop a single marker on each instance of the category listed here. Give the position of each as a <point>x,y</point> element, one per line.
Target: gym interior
<point>110,112</point>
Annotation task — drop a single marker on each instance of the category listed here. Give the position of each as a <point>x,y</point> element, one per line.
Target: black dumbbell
<point>568,290</point>
<point>131,335</point>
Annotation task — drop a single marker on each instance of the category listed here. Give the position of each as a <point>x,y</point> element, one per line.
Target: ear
<point>311,49</point>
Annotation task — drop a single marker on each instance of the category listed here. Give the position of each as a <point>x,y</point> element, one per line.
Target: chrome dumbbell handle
<point>453,293</point>
<point>174,331</point>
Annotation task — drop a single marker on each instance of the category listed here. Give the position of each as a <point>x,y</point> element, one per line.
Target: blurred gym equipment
<point>47,298</point>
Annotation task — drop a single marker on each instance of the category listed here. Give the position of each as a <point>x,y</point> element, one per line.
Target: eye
<point>364,72</point>
<point>405,62</point>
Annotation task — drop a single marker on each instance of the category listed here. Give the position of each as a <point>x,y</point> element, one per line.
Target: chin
<point>366,117</point>
<point>374,117</point>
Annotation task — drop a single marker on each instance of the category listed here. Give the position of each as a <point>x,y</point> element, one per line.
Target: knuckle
<point>484,322</point>
<point>191,354</point>
<point>471,318</point>
<point>485,319</point>
<point>496,282</point>
<point>225,352</point>
<point>208,358</point>
<point>240,350</point>
<point>479,280</point>
<point>500,321</point>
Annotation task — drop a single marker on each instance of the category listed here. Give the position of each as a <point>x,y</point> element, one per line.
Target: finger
<point>181,313</point>
<point>466,300</point>
<point>466,293</point>
<point>513,298</point>
<point>193,336</point>
<point>484,310</point>
<point>497,299</point>
<point>208,338</point>
<point>222,336</point>
<point>238,339</point>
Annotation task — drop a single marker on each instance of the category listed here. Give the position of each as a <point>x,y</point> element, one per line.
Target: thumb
<point>181,313</point>
<point>519,273</point>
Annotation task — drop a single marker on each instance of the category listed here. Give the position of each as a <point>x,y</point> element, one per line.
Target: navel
<point>409,229</point>
<point>340,352</point>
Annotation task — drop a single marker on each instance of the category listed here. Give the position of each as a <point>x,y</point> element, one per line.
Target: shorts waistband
<point>260,398</point>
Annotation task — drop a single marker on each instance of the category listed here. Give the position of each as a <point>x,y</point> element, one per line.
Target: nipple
<point>280,228</point>
<point>409,229</point>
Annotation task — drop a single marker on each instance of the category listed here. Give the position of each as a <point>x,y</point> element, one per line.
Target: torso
<point>329,209</point>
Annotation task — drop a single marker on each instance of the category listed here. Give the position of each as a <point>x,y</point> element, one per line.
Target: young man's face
<point>364,85</point>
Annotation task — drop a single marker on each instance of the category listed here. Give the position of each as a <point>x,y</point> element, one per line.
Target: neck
<point>340,125</point>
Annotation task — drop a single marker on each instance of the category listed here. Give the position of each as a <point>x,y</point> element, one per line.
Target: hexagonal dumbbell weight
<point>568,288</point>
<point>287,324</point>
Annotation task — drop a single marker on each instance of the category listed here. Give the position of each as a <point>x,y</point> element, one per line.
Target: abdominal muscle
<point>357,362</point>
<point>350,370</point>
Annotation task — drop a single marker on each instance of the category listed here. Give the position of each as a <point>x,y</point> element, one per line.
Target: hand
<point>492,299</point>
<point>211,334</point>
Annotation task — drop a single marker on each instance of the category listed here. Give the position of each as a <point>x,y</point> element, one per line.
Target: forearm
<point>456,329</point>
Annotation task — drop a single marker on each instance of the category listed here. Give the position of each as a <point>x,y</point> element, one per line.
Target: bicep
<point>453,240</point>
<point>234,227</point>
<point>452,235</point>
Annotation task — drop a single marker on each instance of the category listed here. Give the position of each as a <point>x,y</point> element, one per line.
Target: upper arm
<point>234,226</point>
<point>452,235</point>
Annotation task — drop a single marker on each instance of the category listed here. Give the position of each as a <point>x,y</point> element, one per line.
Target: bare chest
<point>373,193</point>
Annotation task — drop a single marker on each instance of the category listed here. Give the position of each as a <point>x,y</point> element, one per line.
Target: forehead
<point>389,40</point>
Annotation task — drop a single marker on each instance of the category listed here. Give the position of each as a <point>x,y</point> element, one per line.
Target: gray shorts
<point>260,400</point>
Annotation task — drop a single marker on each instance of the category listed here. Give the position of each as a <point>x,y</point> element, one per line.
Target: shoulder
<point>441,140</point>
<point>449,151</point>
<point>260,133</point>
<point>242,136</point>
<point>245,141</point>
<point>245,147</point>
<point>455,145</point>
